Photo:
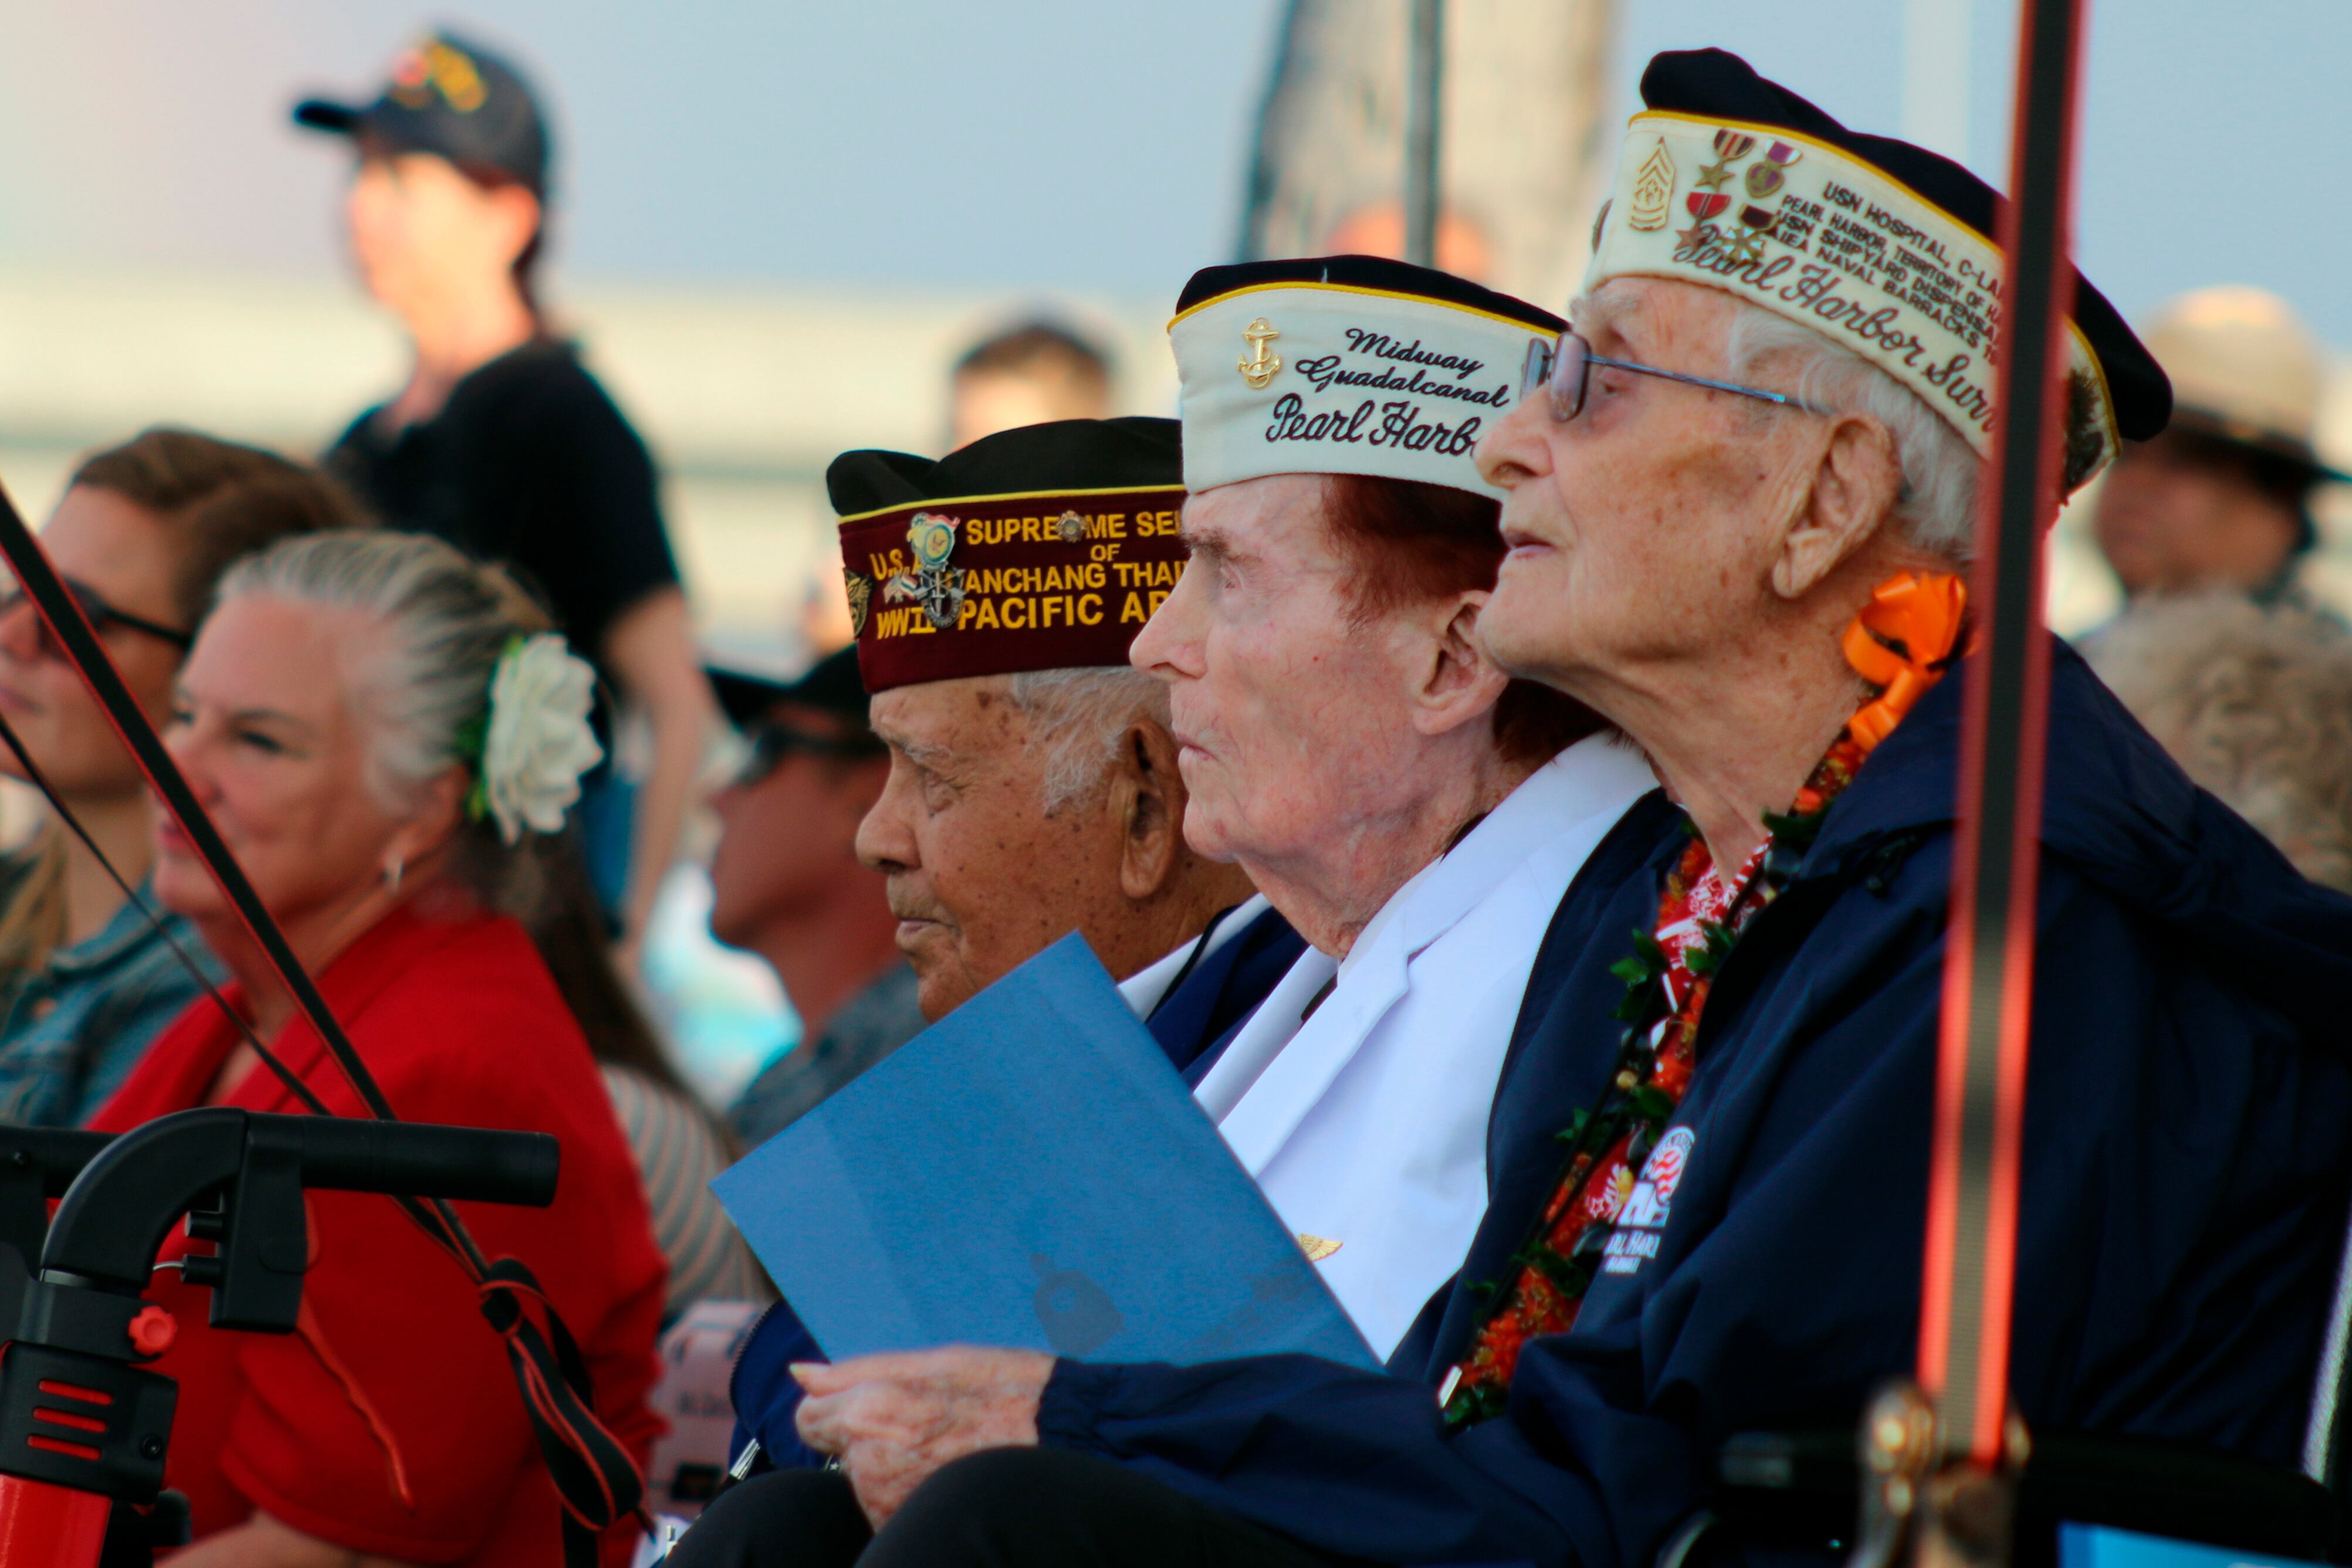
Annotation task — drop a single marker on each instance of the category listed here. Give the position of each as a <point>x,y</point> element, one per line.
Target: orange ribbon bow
<point>1901,642</point>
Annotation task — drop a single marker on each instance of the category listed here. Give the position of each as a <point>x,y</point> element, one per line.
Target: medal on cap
<point>933,584</point>
<point>1766,175</point>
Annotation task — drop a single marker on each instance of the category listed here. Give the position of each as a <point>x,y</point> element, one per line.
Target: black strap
<point>1192,960</point>
<point>596,1480</point>
<point>155,926</point>
<point>595,1477</point>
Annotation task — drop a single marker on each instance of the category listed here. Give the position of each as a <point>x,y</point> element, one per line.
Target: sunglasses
<point>1564,370</point>
<point>771,743</point>
<point>100,613</point>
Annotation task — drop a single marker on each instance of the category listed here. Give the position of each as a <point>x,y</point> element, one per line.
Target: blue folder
<point>1030,1172</point>
<point>2097,1546</point>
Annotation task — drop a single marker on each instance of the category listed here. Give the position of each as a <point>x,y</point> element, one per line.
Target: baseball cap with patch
<point>1345,364</point>
<point>1734,182</point>
<point>449,98</point>
<point>1042,548</point>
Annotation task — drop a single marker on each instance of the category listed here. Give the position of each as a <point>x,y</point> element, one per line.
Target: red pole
<point>46,1526</point>
<point>1971,1263</point>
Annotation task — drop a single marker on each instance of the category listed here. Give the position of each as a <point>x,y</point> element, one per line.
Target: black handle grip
<point>416,1160</point>
<point>116,1214</point>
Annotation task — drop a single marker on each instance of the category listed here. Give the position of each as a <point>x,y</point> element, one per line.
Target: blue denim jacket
<point>77,1026</point>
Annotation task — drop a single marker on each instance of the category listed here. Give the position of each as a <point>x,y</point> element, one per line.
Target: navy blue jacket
<point>1198,1019</point>
<point>1193,1024</point>
<point>2185,1184</point>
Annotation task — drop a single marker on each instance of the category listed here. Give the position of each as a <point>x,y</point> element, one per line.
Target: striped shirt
<point>677,1152</point>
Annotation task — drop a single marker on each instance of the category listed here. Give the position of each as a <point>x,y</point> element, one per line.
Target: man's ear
<point>1457,684</point>
<point>1855,480</point>
<point>1147,792</point>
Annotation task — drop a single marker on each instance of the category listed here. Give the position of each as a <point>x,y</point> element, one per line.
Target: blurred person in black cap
<point>785,882</point>
<point>2221,498</point>
<point>500,441</point>
<point>1739,499</point>
<point>1029,374</point>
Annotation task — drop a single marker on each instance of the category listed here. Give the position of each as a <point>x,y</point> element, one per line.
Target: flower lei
<point>533,740</point>
<point>1900,643</point>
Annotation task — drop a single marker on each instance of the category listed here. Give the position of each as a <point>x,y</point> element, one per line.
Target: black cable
<point>414,1211</point>
<point>71,627</point>
<point>593,1474</point>
<point>39,781</point>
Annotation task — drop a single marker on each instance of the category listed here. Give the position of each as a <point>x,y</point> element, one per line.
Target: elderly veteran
<point>1412,812</point>
<point>1753,576</point>
<point>1419,818</point>
<point>1737,508</point>
<point>1033,786</point>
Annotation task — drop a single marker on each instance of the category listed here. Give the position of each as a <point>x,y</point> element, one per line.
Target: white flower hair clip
<point>536,741</point>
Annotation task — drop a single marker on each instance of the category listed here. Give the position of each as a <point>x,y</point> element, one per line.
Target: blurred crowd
<point>320,640</point>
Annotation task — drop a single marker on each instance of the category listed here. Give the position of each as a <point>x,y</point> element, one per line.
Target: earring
<point>392,874</point>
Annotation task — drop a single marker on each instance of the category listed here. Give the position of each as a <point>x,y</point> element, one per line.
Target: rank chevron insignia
<point>1653,190</point>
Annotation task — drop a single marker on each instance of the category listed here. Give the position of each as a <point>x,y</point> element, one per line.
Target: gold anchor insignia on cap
<point>1259,369</point>
<point>1318,1248</point>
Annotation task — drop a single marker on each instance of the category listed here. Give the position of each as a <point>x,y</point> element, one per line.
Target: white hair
<point>439,622</point>
<point>1079,717</point>
<point>436,623</point>
<point>1937,504</point>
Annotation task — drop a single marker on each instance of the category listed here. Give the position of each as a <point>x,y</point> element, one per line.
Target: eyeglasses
<point>100,615</point>
<point>1564,369</point>
<point>771,743</point>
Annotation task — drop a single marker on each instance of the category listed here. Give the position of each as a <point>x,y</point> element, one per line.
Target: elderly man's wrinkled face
<point>1292,715</point>
<point>980,877</point>
<point>1642,528</point>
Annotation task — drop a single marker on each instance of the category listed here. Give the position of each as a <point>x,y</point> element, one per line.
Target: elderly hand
<point>894,1419</point>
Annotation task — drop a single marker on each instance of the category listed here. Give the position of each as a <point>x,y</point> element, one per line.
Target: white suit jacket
<point>1365,1124</point>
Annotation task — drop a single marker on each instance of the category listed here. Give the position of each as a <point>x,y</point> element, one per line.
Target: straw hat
<point>2244,367</point>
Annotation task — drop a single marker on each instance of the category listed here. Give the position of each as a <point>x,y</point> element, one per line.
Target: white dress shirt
<point>1365,1123</point>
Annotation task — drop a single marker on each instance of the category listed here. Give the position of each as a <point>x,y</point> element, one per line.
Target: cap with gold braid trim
<point>1732,181</point>
<point>1345,364</point>
<point>1042,548</point>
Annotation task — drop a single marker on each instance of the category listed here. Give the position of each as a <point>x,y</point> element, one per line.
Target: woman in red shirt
<point>379,727</point>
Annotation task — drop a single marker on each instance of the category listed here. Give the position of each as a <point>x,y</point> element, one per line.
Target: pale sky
<point>1037,145</point>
